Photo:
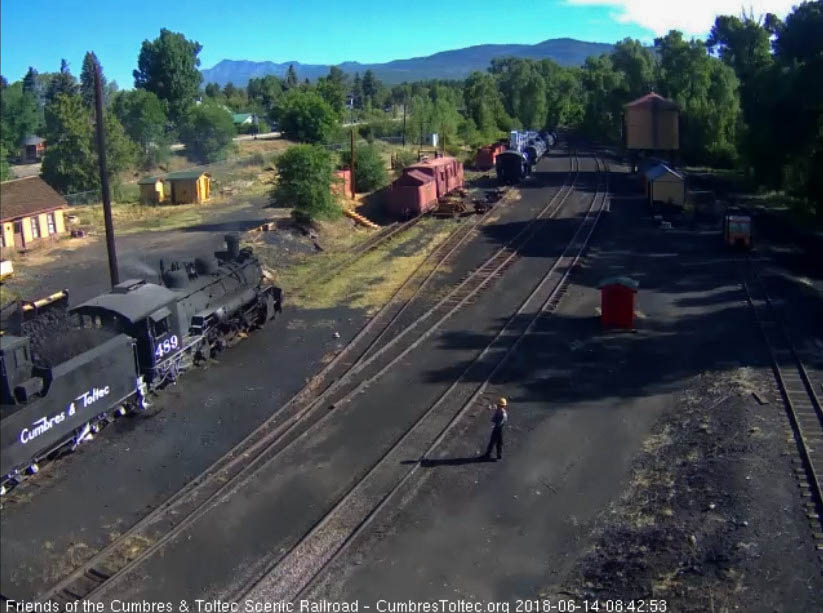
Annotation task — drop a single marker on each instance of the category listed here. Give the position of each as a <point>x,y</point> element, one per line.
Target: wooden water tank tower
<point>651,123</point>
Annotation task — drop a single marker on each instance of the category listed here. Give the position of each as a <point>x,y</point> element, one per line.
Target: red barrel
<point>617,302</point>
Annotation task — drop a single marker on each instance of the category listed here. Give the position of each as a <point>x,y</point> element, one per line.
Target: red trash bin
<point>617,302</point>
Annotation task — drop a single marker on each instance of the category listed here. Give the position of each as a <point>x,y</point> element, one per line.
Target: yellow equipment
<point>502,402</point>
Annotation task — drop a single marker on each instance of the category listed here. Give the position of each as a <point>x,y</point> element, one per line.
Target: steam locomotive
<point>63,381</point>
<point>525,150</point>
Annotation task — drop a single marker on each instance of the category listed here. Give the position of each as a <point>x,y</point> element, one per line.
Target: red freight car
<point>486,156</point>
<point>418,189</point>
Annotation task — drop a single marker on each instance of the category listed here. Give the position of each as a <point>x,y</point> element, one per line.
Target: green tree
<point>69,164</point>
<point>638,66</point>
<point>305,116</point>
<point>484,105</point>
<point>5,170</point>
<point>167,66</point>
<point>707,92</point>
<point>229,90</point>
<point>143,116</point>
<point>263,93</point>
<point>121,151</point>
<point>207,132</point>
<point>332,89</point>
<point>87,80</point>
<point>602,111</point>
<point>19,116</point>
<point>30,82</point>
<point>369,169</point>
<point>213,90</point>
<point>371,86</point>
<point>305,175</point>
<point>291,77</point>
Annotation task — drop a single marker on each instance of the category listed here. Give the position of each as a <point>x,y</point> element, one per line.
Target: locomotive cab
<point>16,367</point>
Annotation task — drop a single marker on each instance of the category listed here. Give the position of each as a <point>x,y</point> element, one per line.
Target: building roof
<point>186,174</point>
<point>655,172</point>
<point>27,196</point>
<point>653,99</point>
<point>241,117</point>
<point>149,180</point>
<point>33,140</point>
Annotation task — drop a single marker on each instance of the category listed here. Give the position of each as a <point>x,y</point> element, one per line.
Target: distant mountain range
<point>454,64</point>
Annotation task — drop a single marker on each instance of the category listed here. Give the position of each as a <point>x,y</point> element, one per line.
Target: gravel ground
<point>637,465</point>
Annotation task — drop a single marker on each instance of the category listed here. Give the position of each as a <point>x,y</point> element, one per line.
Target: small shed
<point>33,148</point>
<point>153,190</point>
<point>189,186</point>
<point>652,123</point>
<point>30,212</point>
<point>342,187</point>
<point>665,185</point>
<point>617,302</point>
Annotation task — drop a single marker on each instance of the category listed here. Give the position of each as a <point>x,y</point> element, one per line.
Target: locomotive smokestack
<point>232,246</point>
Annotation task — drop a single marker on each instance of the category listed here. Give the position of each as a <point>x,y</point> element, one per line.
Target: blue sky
<point>40,32</point>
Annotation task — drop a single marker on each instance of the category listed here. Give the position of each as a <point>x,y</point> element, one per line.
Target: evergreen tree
<point>30,82</point>
<point>291,77</point>
<point>62,83</point>
<point>90,63</point>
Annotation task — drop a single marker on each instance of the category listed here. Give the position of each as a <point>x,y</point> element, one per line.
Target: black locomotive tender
<point>61,386</point>
<point>524,151</point>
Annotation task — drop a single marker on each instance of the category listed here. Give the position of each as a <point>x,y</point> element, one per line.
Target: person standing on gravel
<point>499,419</point>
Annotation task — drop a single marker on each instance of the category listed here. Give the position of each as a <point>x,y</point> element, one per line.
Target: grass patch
<point>314,281</point>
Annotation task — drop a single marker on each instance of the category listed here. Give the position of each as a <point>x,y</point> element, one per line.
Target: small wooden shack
<point>665,185</point>
<point>31,212</point>
<point>153,190</point>
<point>189,186</point>
<point>651,123</point>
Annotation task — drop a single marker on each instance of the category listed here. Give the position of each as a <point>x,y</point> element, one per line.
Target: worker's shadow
<point>431,463</point>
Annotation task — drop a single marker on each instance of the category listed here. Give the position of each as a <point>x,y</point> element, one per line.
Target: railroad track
<point>291,575</point>
<point>799,397</point>
<point>302,412</point>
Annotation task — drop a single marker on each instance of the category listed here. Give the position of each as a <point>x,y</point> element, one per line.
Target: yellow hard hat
<point>501,402</point>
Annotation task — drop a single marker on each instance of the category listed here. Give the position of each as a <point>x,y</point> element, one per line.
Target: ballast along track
<point>799,397</point>
<point>281,429</point>
<point>291,575</point>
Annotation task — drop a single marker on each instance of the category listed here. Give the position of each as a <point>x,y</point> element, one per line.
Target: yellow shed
<point>153,190</point>
<point>651,122</point>
<point>665,185</point>
<point>189,186</point>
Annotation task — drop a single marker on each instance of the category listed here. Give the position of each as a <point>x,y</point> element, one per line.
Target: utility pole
<point>404,122</point>
<point>104,175</point>
<point>352,164</point>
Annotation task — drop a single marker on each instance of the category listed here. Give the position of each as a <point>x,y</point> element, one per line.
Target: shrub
<point>404,158</point>
<point>369,168</point>
<point>304,182</point>
<point>207,131</point>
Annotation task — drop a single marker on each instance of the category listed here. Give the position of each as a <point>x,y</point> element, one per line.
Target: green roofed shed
<point>242,118</point>
<point>189,186</point>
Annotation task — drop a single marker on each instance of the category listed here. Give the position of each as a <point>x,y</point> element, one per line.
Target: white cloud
<point>694,17</point>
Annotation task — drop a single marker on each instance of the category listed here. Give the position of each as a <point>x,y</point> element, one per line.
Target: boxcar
<point>417,190</point>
